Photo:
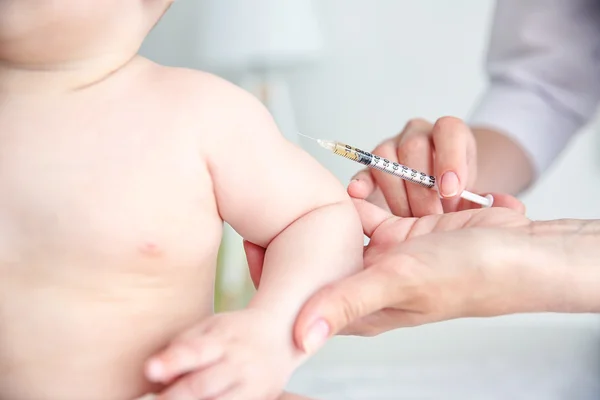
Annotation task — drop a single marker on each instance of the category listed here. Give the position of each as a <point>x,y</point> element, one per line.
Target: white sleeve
<point>544,69</point>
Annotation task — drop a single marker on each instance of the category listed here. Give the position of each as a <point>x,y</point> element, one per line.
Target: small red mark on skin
<point>150,249</point>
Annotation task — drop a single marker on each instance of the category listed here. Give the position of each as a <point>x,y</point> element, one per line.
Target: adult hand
<point>445,149</point>
<point>422,270</point>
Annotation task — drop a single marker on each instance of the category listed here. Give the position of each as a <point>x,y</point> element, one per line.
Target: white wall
<point>387,61</point>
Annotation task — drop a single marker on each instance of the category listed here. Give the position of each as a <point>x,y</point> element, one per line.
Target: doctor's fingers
<point>384,190</point>
<point>455,163</point>
<point>412,149</point>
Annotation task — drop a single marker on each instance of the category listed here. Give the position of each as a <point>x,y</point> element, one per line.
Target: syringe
<point>394,168</point>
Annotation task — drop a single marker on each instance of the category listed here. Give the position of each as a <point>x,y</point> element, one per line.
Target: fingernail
<point>449,184</point>
<point>155,371</point>
<point>316,336</point>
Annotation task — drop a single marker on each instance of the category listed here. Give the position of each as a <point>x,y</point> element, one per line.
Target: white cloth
<point>543,64</point>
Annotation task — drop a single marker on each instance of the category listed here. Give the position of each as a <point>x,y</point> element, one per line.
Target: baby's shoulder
<point>202,89</point>
<point>210,101</point>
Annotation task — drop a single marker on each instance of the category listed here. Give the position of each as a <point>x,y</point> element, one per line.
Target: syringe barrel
<point>384,165</point>
<point>353,153</point>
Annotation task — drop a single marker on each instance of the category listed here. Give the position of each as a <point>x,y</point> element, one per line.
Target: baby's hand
<point>246,354</point>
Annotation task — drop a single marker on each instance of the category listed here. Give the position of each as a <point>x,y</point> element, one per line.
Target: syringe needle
<point>306,136</point>
<point>327,144</point>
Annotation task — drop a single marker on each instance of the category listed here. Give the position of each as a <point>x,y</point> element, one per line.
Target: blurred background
<point>357,71</point>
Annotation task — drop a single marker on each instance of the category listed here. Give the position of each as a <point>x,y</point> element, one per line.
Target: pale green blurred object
<point>233,286</point>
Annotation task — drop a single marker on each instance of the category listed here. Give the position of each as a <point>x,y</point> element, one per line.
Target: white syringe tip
<point>327,144</point>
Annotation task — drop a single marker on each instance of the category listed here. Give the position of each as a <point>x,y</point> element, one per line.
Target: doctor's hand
<point>446,150</point>
<point>423,270</point>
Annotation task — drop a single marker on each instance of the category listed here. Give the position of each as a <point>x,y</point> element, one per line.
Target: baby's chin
<point>35,57</point>
<point>41,46</point>
<point>40,32</point>
<point>41,52</point>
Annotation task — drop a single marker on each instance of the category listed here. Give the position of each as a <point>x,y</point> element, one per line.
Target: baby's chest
<point>106,198</point>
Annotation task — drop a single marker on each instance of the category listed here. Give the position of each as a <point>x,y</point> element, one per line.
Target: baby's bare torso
<point>108,236</point>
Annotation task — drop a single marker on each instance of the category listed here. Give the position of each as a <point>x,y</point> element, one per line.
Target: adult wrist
<point>513,274</point>
<point>570,264</point>
<point>551,266</point>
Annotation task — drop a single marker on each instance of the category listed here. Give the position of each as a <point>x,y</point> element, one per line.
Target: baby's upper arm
<point>262,182</point>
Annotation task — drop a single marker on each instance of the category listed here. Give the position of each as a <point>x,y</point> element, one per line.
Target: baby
<point>115,180</point>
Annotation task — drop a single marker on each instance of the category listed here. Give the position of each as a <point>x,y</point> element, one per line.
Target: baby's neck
<point>70,76</point>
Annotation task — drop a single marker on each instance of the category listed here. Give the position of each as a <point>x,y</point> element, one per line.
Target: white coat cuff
<point>529,119</point>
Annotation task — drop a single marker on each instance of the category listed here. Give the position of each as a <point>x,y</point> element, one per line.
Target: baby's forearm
<point>322,246</point>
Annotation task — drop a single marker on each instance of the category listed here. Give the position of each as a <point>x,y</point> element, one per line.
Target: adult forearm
<point>552,266</point>
<point>502,166</point>
<point>574,253</point>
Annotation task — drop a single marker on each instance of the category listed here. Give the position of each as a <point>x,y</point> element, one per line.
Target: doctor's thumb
<point>337,305</point>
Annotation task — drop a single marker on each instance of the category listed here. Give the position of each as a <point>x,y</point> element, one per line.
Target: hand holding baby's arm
<point>283,200</point>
